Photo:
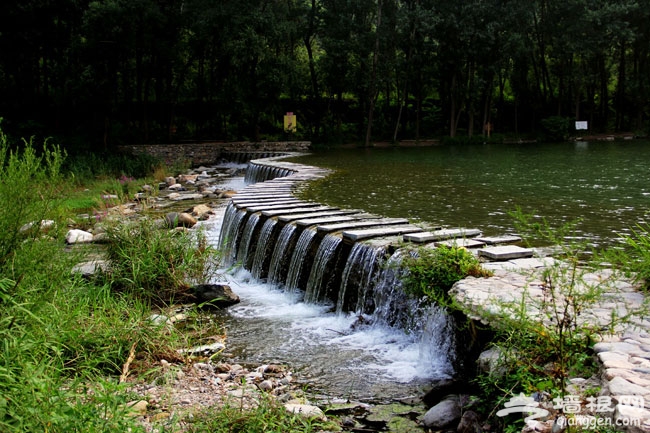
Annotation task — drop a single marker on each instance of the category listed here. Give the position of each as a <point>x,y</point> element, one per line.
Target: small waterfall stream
<point>333,310</point>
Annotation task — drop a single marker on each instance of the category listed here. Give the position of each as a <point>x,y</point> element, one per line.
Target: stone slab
<point>322,213</point>
<point>358,224</point>
<point>257,204</point>
<point>297,210</point>
<point>261,208</point>
<point>506,252</point>
<point>357,235</point>
<point>443,234</point>
<point>461,243</point>
<point>327,219</point>
<point>495,240</point>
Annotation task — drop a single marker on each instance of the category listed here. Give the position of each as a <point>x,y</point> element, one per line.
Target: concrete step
<point>505,252</point>
<point>357,235</point>
<point>439,235</point>
<point>327,228</point>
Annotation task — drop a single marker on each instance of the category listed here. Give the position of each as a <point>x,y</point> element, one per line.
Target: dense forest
<point>115,71</point>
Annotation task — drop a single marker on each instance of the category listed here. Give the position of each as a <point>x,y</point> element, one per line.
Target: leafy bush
<point>157,265</point>
<point>30,183</point>
<point>556,128</point>
<point>433,271</point>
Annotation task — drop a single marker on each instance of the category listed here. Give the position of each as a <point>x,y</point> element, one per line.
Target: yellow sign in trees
<point>290,123</point>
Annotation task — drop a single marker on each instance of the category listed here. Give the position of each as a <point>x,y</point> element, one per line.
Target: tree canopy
<point>117,71</point>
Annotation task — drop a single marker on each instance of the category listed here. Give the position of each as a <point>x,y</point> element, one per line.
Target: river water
<point>605,184</point>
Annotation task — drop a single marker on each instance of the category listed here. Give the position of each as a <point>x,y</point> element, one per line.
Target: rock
<point>44,225</point>
<point>183,219</point>
<point>91,268</point>
<point>306,410</point>
<point>186,220</point>
<point>170,181</point>
<point>137,408</point>
<point>214,295</point>
<point>265,385</point>
<point>440,389</point>
<point>76,236</point>
<point>469,423</point>
<point>176,187</point>
<point>492,361</point>
<point>205,350</point>
<point>200,211</point>
<point>444,414</point>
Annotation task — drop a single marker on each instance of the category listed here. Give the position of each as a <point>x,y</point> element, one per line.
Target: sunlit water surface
<point>605,184</point>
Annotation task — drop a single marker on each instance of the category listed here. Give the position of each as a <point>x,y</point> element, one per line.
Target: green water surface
<point>605,184</point>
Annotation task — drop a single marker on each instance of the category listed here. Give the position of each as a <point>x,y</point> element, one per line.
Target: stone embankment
<point>617,317</point>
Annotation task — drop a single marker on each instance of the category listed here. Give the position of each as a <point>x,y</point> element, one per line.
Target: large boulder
<point>214,295</point>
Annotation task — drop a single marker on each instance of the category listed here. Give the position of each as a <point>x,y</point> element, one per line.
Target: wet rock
<point>214,295</point>
<point>442,388</point>
<point>444,414</point>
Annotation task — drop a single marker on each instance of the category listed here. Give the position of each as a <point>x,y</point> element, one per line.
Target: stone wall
<point>205,153</point>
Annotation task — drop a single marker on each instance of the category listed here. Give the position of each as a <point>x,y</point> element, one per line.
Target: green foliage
<point>543,342</point>
<point>433,271</point>
<point>110,165</point>
<point>556,128</point>
<point>155,264</point>
<point>29,185</point>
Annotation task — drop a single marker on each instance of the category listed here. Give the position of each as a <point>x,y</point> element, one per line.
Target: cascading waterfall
<point>298,259</point>
<point>246,237</point>
<point>280,253</point>
<point>392,305</point>
<point>325,253</point>
<point>231,235</point>
<point>262,246</point>
<point>359,270</point>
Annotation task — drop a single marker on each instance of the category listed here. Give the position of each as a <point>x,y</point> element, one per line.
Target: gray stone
<point>305,410</point>
<point>214,295</point>
<point>506,252</point>
<point>444,414</point>
<point>76,236</point>
<point>620,386</point>
<point>91,268</point>
<point>356,235</point>
<point>494,240</point>
<point>461,243</point>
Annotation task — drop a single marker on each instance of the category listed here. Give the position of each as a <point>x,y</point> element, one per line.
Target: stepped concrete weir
<point>331,255</point>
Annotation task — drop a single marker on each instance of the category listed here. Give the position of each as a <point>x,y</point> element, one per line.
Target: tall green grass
<point>64,341</point>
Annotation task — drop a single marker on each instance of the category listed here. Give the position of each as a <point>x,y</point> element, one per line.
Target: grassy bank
<point>69,342</point>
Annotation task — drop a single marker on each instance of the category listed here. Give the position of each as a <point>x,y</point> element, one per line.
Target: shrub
<point>433,271</point>
<point>556,128</point>
<point>30,182</point>
<point>157,265</point>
